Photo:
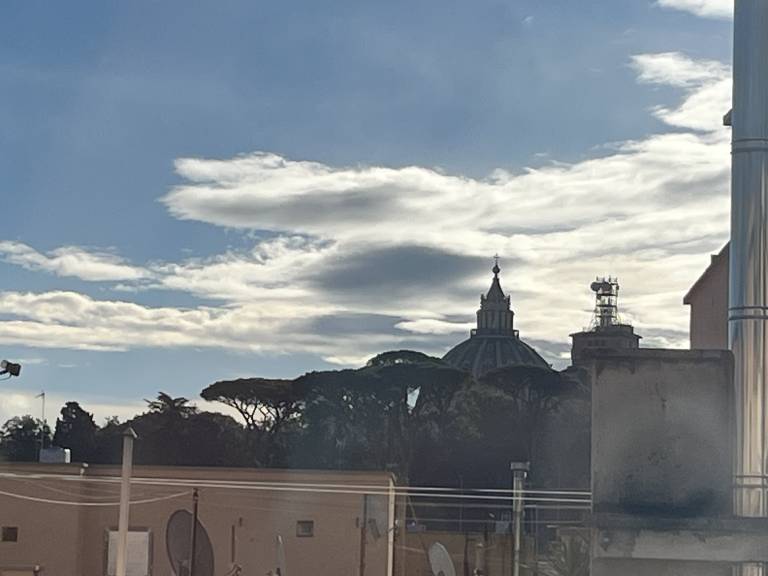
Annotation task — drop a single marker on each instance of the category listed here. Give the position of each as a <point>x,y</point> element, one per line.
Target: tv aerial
<point>178,543</point>
<point>440,560</point>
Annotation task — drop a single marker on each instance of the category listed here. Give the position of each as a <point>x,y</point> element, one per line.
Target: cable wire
<point>69,503</point>
<point>520,495</point>
<point>411,490</point>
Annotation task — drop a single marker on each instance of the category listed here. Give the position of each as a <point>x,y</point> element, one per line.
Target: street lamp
<point>9,368</point>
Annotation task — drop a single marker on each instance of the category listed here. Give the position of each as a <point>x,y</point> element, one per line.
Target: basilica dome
<point>494,343</point>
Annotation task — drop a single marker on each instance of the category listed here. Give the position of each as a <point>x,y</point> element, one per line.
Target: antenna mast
<point>606,302</point>
<point>42,423</point>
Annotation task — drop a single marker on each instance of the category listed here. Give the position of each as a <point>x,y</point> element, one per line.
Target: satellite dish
<point>280,549</point>
<point>178,543</point>
<point>440,561</point>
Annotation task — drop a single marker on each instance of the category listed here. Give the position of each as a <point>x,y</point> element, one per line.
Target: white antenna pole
<point>125,499</point>
<point>42,423</point>
<point>519,473</point>
<point>281,569</point>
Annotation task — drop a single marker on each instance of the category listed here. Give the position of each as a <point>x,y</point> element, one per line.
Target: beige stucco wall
<point>70,541</point>
<point>708,300</point>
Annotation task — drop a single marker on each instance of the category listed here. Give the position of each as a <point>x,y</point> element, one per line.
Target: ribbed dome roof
<point>495,343</point>
<point>480,354</point>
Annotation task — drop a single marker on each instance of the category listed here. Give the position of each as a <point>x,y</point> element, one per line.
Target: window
<point>305,528</point>
<point>10,534</point>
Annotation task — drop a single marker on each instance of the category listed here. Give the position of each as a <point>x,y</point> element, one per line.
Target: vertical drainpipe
<point>748,301</point>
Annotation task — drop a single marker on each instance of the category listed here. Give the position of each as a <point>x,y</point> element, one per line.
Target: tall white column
<point>519,474</point>
<point>125,499</point>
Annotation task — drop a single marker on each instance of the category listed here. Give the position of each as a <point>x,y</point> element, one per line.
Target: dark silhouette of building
<point>494,343</point>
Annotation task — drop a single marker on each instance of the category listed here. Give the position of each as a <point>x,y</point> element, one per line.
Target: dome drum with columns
<point>494,343</point>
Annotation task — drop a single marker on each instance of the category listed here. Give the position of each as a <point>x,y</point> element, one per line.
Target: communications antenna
<point>606,302</point>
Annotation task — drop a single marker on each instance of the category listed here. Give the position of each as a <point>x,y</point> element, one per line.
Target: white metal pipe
<point>748,298</point>
<point>125,498</point>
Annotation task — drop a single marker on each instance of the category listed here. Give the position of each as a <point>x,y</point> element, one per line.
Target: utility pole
<point>479,559</point>
<point>42,423</point>
<point>363,535</point>
<point>461,505</point>
<point>193,546</point>
<point>519,474</point>
<point>125,500</point>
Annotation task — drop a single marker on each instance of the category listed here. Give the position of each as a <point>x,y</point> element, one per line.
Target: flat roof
<point>192,472</point>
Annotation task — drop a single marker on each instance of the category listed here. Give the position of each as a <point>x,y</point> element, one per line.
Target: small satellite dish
<point>440,561</point>
<point>280,550</point>
<point>178,543</point>
<point>601,286</point>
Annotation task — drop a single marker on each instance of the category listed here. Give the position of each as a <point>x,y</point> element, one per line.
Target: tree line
<point>404,411</point>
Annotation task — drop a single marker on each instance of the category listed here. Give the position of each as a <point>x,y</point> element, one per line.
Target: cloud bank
<point>72,261</point>
<point>353,260</point>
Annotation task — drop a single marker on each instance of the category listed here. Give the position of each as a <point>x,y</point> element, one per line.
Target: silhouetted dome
<point>481,354</point>
<point>494,343</point>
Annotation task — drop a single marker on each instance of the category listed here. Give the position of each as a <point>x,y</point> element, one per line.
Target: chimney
<point>748,300</point>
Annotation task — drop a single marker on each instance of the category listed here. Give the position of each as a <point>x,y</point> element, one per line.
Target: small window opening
<point>305,528</point>
<point>9,534</point>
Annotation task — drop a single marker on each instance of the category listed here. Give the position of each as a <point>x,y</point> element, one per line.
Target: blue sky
<point>205,190</point>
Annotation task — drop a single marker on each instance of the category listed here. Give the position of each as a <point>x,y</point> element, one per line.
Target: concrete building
<point>662,466</point>
<point>708,299</point>
<point>61,520</point>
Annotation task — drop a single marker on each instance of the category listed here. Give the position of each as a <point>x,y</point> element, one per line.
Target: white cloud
<point>676,69</point>
<point>76,321</point>
<point>271,268</point>
<point>705,8</point>
<point>646,211</point>
<point>71,261</point>
<point>348,360</point>
<point>434,326</point>
<point>365,258</point>
<point>708,83</point>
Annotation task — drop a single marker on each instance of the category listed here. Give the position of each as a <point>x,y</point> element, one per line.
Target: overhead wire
<point>89,504</point>
<point>107,493</point>
<point>419,499</point>
<point>524,495</point>
<point>365,487</point>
